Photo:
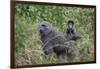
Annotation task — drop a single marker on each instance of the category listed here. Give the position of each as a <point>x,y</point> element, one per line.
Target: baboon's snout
<point>41,31</point>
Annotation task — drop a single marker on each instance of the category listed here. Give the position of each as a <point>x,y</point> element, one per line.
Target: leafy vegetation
<point>28,49</point>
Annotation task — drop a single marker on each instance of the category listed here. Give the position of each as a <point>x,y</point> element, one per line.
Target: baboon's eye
<point>43,25</point>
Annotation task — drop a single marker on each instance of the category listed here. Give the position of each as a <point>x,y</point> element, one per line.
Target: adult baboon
<point>70,32</point>
<point>55,42</point>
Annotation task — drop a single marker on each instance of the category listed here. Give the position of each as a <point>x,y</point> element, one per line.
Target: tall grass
<point>28,46</point>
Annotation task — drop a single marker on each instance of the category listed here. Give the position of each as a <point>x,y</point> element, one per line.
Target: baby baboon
<point>71,35</point>
<point>54,42</point>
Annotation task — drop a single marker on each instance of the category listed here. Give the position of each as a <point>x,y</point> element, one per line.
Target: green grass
<point>28,46</point>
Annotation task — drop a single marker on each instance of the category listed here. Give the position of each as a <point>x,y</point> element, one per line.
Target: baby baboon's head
<point>70,24</point>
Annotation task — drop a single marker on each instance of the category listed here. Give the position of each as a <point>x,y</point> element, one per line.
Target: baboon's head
<point>70,24</point>
<point>45,28</point>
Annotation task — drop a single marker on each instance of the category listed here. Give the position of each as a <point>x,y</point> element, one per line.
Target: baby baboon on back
<point>71,34</point>
<point>55,42</point>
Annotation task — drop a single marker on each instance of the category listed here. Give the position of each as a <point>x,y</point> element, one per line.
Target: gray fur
<point>55,42</point>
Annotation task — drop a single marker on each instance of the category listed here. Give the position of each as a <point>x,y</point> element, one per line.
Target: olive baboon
<point>55,42</point>
<point>71,35</point>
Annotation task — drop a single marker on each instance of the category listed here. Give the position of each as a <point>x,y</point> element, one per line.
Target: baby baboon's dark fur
<point>71,35</point>
<point>54,42</point>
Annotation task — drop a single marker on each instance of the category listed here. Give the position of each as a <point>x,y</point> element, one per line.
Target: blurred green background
<point>28,46</point>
